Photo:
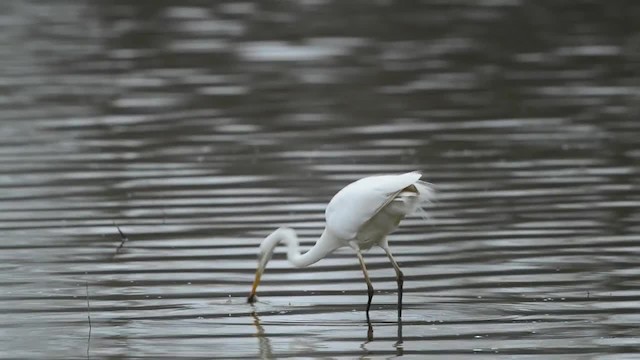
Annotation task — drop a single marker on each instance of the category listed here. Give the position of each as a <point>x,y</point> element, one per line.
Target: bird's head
<point>263,259</point>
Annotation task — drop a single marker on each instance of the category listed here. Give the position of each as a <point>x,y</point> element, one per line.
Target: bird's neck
<point>324,246</point>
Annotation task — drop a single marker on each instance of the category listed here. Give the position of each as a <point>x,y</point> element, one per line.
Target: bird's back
<point>358,207</point>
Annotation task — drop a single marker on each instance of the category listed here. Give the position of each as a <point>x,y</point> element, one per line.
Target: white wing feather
<point>359,201</point>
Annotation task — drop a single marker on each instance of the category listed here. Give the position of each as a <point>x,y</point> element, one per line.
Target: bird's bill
<point>256,282</point>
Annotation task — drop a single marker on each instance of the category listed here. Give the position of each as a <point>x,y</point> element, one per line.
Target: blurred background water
<point>198,127</point>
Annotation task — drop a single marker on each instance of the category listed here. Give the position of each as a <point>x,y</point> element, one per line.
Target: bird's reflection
<point>266,352</point>
<point>399,341</point>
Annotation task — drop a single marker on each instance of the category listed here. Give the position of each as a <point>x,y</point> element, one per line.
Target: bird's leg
<point>399,278</point>
<point>366,278</point>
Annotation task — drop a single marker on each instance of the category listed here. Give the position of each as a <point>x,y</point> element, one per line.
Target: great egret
<point>360,216</point>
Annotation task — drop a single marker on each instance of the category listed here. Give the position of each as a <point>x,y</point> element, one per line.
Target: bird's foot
<point>252,298</point>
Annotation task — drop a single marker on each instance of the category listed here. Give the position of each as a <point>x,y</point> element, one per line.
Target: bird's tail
<point>426,194</point>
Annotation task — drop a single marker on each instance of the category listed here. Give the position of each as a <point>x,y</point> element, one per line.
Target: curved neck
<point>324,246</point>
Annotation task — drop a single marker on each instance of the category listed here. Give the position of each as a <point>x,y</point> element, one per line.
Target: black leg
<point>398,345</point>
<point>399,278</point>
<point>366,278</point>
<point>370,293</point>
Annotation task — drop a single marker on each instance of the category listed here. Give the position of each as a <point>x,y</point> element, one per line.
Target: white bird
<point>359,216</point>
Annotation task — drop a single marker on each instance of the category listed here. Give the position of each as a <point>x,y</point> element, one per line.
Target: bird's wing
<point>359,201</point>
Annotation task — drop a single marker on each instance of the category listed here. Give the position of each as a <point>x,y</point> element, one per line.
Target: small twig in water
<point>123,237</point>
<point>86,284</point>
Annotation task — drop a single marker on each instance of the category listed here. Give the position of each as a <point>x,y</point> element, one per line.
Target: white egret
<point>360,216</point>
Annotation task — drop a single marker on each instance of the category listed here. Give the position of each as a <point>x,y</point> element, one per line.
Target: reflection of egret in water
<point>398,345</point>
<point>265,345</point>
<point>266,349</point>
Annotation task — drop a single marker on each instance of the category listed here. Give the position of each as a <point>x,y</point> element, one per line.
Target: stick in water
<point>123,237</point>
<point>86,284</point>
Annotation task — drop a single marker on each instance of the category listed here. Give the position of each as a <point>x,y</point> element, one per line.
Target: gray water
<point>197,128</point>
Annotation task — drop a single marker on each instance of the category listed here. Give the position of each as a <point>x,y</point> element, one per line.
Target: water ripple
<point>147,149</point>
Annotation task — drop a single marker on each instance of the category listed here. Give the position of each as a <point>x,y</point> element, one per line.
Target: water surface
<point>198,128</point>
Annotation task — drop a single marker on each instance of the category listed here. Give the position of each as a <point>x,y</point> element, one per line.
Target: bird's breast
<point>377,229</point>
